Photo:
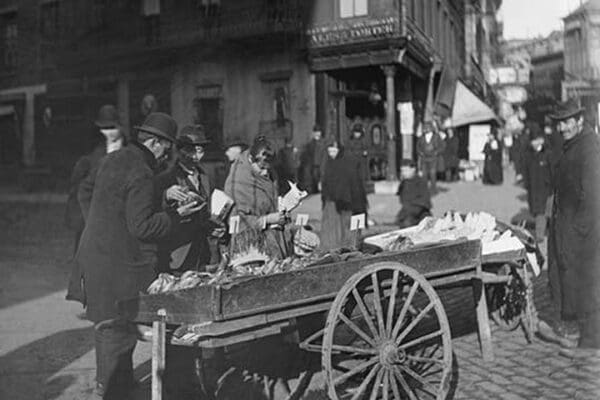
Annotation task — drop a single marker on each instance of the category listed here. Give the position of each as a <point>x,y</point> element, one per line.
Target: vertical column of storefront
<point>123,102</point>
<point>390,121</point>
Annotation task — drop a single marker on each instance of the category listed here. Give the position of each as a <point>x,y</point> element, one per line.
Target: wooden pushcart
<point>386,332</point>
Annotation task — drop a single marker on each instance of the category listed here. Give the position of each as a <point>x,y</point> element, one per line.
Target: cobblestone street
<point>46,351</point>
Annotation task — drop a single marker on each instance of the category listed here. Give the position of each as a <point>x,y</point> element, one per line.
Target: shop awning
<point>468,108</point>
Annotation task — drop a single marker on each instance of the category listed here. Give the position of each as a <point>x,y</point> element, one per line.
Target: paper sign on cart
<point>234,224</point>
<point>534,263</point>
<point>357,222</point>
<point>302,219</point>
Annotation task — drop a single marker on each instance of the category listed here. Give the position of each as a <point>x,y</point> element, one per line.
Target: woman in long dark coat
<point>492,167</point>
<point>343,194</point>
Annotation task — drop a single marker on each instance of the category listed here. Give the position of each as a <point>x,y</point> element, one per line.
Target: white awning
<point>468,108</point>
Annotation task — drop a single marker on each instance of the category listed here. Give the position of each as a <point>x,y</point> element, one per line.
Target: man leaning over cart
<point>117,251</point>
<point>576,228</point>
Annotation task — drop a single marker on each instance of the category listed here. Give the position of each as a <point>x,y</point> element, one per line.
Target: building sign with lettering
<point>353,32</point>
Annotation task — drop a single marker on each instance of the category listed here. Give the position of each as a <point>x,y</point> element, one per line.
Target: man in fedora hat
<point>187,246</point>
<point>429,146</point>
<point>83,172</point>
<point>110,128</point>
<point>118,252</point>
<point>575,227</point>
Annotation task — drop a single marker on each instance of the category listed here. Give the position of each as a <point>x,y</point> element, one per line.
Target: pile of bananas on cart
<point>230,272</point>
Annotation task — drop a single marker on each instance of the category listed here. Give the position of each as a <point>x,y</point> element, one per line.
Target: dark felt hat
<point>427,127</point>
<point>566,110</point>
<point>236,141</point>
<point>159,124</point>
<point>108,117</point>
<point>192,135</point>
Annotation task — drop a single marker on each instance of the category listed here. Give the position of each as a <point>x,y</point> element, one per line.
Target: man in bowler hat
<point>187,246</point>
<point>118,252</point>
<point>575,228</point>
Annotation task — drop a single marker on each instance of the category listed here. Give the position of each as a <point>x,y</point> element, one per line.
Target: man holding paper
<point>187,247</point>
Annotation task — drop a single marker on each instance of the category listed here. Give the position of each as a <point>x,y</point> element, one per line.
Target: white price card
<point>302,219</point>
<point>357,222</point>
<point>234,224</point>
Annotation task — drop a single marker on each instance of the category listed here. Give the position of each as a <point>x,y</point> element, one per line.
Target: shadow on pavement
<point>27,372</point>
<point>35,246</point>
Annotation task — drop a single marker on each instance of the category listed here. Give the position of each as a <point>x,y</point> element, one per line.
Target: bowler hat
<point>159,124</point>
<point>566,110</point>
<point>427,127</point>
<point>236,141</point>
<point>192,135</point>
<point>108,117</point>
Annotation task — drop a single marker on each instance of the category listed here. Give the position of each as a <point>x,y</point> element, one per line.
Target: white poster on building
<point>407,118</point>
<point>477,138</point>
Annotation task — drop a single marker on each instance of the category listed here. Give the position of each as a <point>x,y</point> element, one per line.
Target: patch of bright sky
<point>531,18</point>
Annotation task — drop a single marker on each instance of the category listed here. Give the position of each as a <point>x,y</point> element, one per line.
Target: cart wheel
<point>506,308</point>
<point>387,336</point>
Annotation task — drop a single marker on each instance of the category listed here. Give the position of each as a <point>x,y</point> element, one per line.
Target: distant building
<point>582,57</point>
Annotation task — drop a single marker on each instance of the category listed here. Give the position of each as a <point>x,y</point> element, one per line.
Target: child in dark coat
<point>414,197</point>
<point>536,174</point>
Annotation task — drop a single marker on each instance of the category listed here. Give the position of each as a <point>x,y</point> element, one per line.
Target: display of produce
<point>452,226</point>
<point>227,274</point>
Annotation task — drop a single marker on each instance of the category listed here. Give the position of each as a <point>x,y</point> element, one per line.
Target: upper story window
<point>49,19</point>
<point>8,46</point>
<point>99,14</point>
<point>353,8</point>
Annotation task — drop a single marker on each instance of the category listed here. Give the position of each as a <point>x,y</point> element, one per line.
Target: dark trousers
<point>315,178</point>
<point>114,364</point>
<point>429,170</point>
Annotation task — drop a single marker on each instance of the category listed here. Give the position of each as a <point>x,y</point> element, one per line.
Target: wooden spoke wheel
<point>504,301</point>
<point>387,337</point>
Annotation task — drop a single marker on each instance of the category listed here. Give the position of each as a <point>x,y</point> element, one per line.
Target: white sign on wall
<point>477,138</point>
<point>407,118</point>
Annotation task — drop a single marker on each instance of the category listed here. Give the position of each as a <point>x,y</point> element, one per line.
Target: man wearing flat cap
<point>576,226</point>
<point>118,252</point>
<point>187,246</point>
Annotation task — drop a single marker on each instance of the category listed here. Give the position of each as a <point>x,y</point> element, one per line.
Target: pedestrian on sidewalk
<point>111,131</point>
<point>83,172</point>
<point>429,147</point>
<point>576,225</point>
<point>451,155</point>
<point>492,166</point>
<point>343,194</point>
<point>311,161</point>
<point>536,176</point>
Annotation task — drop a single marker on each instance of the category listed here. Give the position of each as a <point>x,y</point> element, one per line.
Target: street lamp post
<point>390,121</point>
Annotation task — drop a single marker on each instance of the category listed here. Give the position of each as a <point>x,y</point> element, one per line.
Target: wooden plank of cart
<point>386,329</point>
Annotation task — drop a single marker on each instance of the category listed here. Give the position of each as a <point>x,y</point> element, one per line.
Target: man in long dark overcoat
<point>576,224</point>
<point>117,251</point>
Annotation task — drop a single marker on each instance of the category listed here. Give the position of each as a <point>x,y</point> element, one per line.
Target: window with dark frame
<point>99,14</point>
<point>9,49</point>
<point>208,111</point>
<point>49,19</point>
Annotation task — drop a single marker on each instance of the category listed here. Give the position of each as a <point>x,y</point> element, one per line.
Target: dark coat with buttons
<point>118,252</point>
<point>576,225</point>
